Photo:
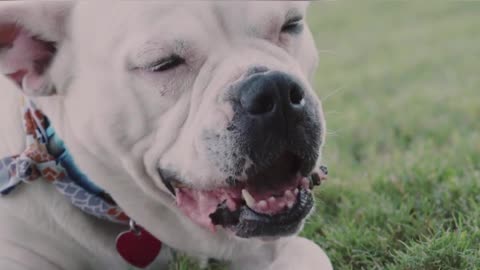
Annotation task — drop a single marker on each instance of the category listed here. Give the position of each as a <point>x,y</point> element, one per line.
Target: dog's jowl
<point>173,126</point>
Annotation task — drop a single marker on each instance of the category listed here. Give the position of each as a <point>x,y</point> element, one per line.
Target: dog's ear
<point>30,35</point>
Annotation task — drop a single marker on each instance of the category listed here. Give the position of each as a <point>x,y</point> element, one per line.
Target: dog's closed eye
<point>165,64</point>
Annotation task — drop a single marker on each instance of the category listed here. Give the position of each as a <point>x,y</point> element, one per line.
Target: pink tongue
<point>198,205</point>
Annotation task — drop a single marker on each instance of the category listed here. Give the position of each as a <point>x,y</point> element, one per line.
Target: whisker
<point>330,135</point>
<point>332,112</point>
<point>328,52</point>
<point>334,92</point>
<point>336,132</point>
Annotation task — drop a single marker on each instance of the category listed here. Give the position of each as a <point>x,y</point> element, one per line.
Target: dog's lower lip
<point>253,224</point>
<point>246,222</point>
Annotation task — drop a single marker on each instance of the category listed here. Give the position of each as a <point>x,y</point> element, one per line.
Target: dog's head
<point>209,104</point>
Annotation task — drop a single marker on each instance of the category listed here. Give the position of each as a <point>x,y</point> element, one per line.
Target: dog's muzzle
<point>277,127</point>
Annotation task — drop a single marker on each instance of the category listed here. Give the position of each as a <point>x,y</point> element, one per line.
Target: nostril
<point>271,93</point>
<point>296,95</point>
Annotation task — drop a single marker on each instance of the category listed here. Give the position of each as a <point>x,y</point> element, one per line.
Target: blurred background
<point>400,85</point>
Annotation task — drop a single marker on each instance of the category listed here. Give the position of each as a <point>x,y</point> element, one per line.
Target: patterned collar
<point>46,157</point>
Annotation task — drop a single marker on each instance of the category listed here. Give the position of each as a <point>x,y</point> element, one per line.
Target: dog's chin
<point>267,205</point>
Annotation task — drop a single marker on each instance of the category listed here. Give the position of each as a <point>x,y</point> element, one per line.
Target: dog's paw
<point>300,254</point>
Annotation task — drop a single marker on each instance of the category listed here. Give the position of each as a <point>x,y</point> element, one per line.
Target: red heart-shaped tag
<point>138,248</point>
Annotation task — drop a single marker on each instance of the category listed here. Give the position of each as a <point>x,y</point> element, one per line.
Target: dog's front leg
<point>16,257</point>
<point>300,253</point>
<point>295,253</point>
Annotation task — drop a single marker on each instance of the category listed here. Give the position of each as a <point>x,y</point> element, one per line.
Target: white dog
<point>198,119</point>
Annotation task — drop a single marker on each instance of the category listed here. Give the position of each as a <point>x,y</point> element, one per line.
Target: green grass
<point>400,82</point>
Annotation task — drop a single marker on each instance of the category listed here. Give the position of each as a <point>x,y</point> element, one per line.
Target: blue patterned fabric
<point>36,162</point>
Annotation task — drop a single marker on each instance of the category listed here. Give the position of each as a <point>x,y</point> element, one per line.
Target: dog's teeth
<point>281,204</point>
<point>305,183</point>
<point>295,192</point>
<point>248,198</point>
<point>262,204</point>
<point>271,200</point>
<point>288,194</point>
<point>290,204</point>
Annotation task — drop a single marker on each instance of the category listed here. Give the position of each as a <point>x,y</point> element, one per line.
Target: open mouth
<point>270,203</point>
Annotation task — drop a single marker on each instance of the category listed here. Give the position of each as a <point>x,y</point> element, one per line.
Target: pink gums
<point>199,204</point>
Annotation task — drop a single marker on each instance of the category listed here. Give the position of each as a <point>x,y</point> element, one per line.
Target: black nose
<point>269,94</point>
<point>274,114</point>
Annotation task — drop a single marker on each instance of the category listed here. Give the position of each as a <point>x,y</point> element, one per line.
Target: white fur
<point>122,124</point>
